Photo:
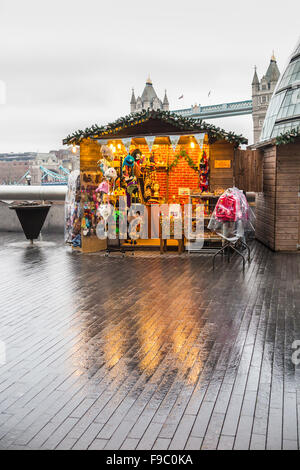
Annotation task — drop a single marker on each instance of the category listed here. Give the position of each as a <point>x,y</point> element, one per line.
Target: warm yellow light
<point>119,146</point>
<point>192,144</point>
<point>74,149</point>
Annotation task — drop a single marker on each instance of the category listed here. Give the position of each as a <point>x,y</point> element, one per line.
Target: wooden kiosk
<point>172,147</point>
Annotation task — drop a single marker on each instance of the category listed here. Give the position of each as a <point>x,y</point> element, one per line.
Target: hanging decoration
<point>204,173</point>
<point>127,143</point>
<point>150,140</point>
<point>200,139</point>
<point>174,139</point>
<point>189,160</point>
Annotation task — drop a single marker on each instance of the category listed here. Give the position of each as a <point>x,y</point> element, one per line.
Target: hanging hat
<point>128,161</point>
<point>103,187</point>
<point>111,173</point>
<point>136,154</point>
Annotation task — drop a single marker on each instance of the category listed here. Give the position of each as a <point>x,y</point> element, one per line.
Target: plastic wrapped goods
<point>230,218</point>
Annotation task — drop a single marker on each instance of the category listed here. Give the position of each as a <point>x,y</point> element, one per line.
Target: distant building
<point>148,100</point>
<point>262,91</point>
<point>14,166</point>
<point>284,111</point>
<point>11,171</point>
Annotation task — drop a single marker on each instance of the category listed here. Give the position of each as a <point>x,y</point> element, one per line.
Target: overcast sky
<point>68,64</point>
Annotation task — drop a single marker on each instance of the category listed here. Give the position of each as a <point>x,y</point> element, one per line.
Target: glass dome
<point>284,109</point>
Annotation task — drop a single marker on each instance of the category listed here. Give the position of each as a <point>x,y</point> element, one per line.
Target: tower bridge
<point>262,91</point>
<point>236,108</point>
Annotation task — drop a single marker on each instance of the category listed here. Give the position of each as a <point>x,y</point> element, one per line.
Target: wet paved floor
<point>147,352</point>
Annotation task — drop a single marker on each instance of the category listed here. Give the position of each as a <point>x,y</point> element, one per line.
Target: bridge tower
<point>148,99</point>
<point>262,91</point>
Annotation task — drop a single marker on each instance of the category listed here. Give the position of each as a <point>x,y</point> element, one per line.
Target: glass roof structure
<point>284,109</point>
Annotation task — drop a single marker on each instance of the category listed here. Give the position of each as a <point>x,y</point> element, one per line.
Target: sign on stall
<point>222,163</point>
<point>183,191</point>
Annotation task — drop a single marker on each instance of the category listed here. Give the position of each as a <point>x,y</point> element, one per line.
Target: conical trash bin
<point>32,218</point>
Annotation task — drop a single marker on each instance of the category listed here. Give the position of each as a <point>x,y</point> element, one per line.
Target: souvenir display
<point>92,195</point>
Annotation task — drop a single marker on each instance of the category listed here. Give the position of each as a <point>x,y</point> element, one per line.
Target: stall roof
<point>153,123</point>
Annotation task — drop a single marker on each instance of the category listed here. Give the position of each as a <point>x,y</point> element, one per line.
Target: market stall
<point>151,158</point>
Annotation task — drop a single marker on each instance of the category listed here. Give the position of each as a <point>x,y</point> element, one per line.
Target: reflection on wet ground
<point>148,351</point>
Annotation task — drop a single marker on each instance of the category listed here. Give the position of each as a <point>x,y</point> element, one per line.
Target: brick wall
<point>182,176</point>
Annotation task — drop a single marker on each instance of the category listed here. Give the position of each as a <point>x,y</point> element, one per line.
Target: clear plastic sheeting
<point>73,210</point>
<point>231,216</point>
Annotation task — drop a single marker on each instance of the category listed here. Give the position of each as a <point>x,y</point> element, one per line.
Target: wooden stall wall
<point>89,155</point>
<point>248,170</point>
<point>266,200</point>
<point>287,199</point>
<point>221,165</point>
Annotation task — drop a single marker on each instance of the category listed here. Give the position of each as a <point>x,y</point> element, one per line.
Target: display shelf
<point>205,195</point>
<point>210,240</point>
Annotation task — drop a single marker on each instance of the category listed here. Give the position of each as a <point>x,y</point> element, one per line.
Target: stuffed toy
<point>107,153</point>
<point>128,161</point>
<point>111,174</point>
<point>104,211</point>
<point>103,187</point>
<point>103,165</point>
<point>120,192</point>
<point>137,155</point>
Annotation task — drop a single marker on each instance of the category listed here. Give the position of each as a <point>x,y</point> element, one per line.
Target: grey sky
<point>68,64</point>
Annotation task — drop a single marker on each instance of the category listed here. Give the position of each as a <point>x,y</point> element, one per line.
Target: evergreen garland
<point>288,137</point>
<point>133,119</point>
<point>182,154</point>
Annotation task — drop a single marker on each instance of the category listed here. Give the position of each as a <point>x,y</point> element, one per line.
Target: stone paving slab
<point>147,351</point>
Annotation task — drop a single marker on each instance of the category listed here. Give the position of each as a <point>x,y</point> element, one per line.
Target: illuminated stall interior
<point>158,157</point>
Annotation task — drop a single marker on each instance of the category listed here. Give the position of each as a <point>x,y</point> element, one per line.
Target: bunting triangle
<point>174,139</point>
<point>127,143</point>
<point>200,139</point>
<point>150,141</point>
<point>102,141</point>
